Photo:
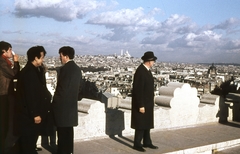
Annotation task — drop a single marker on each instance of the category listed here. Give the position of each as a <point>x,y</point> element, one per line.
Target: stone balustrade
<point>126,103</point>
<point>209,99</point>
<point>233,100</point>
<point>177,95</point>
<point>91,119</point>
<point>183,104</point>
<point>209,108</point>
<point>177,106</point>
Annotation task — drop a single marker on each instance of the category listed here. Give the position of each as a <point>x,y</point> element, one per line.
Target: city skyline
<point>177,31</point>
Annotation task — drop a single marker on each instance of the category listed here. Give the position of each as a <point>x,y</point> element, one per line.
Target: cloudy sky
<point>176,30</point>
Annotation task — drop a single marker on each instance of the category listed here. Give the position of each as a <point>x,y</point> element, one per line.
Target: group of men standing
<point>37,112</point>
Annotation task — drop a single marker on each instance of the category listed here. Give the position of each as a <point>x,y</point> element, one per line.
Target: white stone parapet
<point>177,106</point>
<point>177,95</point>
<point>183,103</point>
<point>91,119</point>
<point>125,103</point>
<point>85,105</point>
<point>209,108</point>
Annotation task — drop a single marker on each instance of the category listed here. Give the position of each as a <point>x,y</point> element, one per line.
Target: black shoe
<point>151,146</point>
<point>38,149</point>
<point>139,149</point>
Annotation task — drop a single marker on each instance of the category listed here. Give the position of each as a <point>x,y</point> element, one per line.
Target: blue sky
<point>175,30</point>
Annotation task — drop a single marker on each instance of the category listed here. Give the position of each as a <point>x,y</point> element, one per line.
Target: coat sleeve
<point>81,87</point>
<point>10,72</point>
<point>31,88</point>
<point>139,89</point>
<point>62,84</point>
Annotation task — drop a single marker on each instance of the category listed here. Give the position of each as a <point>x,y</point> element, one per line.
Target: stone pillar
<point>110,100</point>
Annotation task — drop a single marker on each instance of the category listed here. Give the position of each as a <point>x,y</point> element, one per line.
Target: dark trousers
<point>27,144</point>
<point>142,135</point>
<point>4,118</point>
<point>65,140</point>
<point>12,137</point>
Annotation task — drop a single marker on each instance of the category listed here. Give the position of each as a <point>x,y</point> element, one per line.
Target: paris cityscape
<point>196,75</point>
<point>114,74</point>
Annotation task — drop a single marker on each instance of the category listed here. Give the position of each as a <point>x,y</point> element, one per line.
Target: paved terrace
<point>206,138</point>
<point>183,124</point>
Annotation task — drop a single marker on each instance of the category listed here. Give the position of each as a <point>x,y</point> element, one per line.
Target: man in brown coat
<point>8,71</point>
<point>142,119</point>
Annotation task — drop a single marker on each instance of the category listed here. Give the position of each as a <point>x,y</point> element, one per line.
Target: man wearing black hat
<point>142,119</point>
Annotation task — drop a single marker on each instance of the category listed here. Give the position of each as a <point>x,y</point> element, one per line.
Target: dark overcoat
<point>33,99</point>
<point>65,99</point>
<point>142,96</point>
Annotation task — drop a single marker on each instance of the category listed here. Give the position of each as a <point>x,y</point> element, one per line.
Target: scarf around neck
<point>7,60</point>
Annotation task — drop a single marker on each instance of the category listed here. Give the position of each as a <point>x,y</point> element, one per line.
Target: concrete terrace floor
<point>200,139</point>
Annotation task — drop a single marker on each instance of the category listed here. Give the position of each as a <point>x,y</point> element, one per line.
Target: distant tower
<point>122,52</point>
<point>212,71</point>
<point>127,54</point>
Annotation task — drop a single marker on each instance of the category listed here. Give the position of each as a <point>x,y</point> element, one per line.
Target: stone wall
<point>177,106</point>
<point>91,119</point>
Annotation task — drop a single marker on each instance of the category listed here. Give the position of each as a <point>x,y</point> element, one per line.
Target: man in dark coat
<point>8,72</point>
<point>65,100</point>
<point>33,100</point>
<point>142,119</point>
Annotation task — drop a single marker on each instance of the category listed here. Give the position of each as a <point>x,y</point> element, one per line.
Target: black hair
<point>67,51</point>
<point>35,52</point>
<point>4,46</point>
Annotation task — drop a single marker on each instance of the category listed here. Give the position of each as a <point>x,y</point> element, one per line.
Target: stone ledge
<point>208,149</point>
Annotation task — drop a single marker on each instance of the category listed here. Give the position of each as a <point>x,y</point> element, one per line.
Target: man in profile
<point>65,100</point>
<point>8,72</point>
<point>142,119</point>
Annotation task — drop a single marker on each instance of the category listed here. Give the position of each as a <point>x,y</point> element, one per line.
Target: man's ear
<point>67,57</point>
<point>4,51</point>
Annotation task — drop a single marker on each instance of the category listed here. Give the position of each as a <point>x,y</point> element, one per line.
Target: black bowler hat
<point>149,56</point>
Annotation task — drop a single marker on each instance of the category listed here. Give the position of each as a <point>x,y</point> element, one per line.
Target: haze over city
<point>194,31</point>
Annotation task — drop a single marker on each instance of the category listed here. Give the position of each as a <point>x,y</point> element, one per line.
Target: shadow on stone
<point>127,139</point>
<point>232,124</point>
<point>114,122</point>
<point>122,141</point>
<point>115,126</point>
<point>223,110</point>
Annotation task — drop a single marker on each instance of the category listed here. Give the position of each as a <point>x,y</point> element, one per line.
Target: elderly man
<point>143,103</point>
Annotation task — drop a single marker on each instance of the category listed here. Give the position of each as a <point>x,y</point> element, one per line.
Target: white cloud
<point>119,34</point>
<point>204,41</point>
<point>227,24</point>
<point>176,20</point>
<point>124,17</point>
<point>232,46</point>
<point>125,24</point>
<point>174,27</point>
<point>60,10</point>
<point>211,35</point>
